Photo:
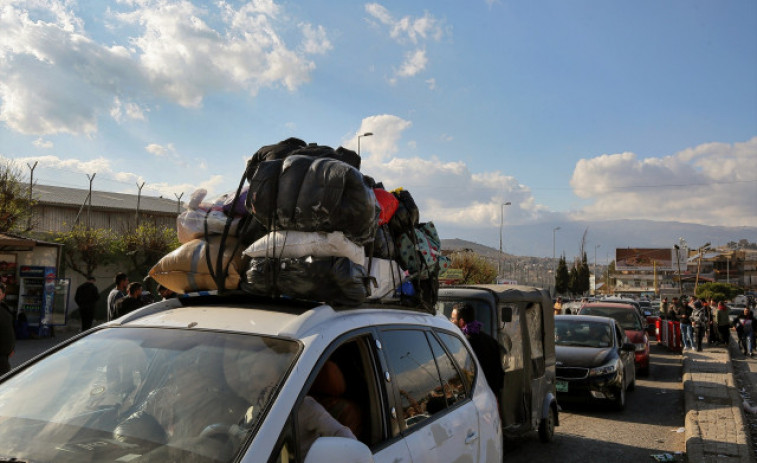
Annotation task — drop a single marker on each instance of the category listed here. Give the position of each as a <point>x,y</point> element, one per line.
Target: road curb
<point>715,421</point>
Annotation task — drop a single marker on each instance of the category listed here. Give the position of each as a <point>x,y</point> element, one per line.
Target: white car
<point>221,379</point>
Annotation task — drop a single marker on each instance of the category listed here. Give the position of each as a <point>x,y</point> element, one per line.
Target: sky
<point>584,110</point>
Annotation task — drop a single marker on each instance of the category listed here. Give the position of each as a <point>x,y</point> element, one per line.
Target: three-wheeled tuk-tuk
<point>522,320</point>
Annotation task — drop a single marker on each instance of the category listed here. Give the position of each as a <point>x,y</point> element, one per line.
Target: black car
<point>595,360</point>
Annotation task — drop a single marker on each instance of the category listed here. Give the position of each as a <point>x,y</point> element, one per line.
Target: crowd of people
<point>702,319</point>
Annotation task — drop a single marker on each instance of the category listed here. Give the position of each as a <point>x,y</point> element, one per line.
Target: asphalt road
<point>651,424</point>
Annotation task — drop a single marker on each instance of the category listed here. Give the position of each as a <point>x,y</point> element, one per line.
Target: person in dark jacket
<point>485,347</point>
<point>132,301</point>
<point>700,320</point>
<point>86,297</point>
<point>7,333</point>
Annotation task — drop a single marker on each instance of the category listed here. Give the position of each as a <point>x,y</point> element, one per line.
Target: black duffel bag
<point>333,280</point>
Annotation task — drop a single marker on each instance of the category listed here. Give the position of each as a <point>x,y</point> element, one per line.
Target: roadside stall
<point>29,269</point>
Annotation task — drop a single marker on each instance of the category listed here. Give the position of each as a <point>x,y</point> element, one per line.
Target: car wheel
<point>620,397</point>
<point>547,426</point>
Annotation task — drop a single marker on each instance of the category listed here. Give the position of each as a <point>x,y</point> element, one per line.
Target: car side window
<point>619,336</point>
<point>462,356</point>
<point>454,387</point>
<point>415,376</point>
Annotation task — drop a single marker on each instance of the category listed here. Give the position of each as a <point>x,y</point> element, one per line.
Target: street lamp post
<point>554,230</point>
<point>678,259</point>
<point>702,249</point>
<point>366,134</point>
<point>501,223</point>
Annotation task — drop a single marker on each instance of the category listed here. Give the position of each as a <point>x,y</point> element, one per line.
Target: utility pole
<point>31,197</point>
<point>89,207</point>
<point>139,199</point>
<point>178,205</point>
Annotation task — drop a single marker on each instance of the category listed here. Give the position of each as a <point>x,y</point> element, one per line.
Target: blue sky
<point>580,110</point>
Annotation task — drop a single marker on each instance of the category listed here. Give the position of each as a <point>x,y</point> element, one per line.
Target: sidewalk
<point>27,349</point>
<point>716,429</point>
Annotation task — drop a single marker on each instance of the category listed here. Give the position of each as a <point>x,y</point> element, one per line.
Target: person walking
<point>131,302</point>
<point>7,333</point>
<point>744,325</point>
<point>664,307</point>
<point>683,313</point>
<point>724,324</point>
<point>700,320</point>
<point>485,347</point>
<point>86,297</point>
<point>122,281</point>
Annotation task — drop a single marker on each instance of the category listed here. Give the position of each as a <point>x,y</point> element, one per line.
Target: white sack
<point>294,244</point>
<point>388,274</point>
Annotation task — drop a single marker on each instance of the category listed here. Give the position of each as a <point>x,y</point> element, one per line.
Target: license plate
<point>561,386</point>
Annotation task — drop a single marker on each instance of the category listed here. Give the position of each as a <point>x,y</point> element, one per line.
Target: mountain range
<point>602,237</point>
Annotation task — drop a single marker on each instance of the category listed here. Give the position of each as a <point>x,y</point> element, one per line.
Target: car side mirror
<point>628,347</point>
<point>325,449</point>
<point>507,314</point>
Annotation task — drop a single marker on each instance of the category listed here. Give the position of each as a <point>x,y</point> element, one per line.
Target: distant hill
<point>537,239</point>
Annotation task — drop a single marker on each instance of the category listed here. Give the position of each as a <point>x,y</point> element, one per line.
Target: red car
<point>629,319</point>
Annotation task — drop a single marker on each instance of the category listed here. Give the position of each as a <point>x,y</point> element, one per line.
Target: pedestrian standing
<point>122,281</point>
<point>724,324</point>
<point>744,325</point>
<point>712,330</point>
<point>700,320</point>
<point>86,297</point>
<point>558,306</point>
<point>7,333</point>
<point>131,302</point>
<point>484,346</point>
<point>684,317</point>
<point>664,307</point>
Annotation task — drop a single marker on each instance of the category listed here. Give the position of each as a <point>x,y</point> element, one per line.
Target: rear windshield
<point>582,333</point>
<point>628,319</point>
<point>143,394</point>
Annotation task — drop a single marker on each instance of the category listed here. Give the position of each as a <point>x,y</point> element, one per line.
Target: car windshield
<point>146,394</point>
<point>581,333</point>
<point>626,318</point>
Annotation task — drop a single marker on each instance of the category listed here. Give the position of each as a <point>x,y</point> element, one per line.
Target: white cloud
<point>415,62</point>
<point>160,150</point>
<point>54,78</point>
<point>710,183</point>
<point>407,28</point>
<point>315,40</point>
<point>120,111</point>
<point>448,192</point>
<point>40,143</point>
<point>412,31</point>
<point>431,83</point>
<point>107,178</point>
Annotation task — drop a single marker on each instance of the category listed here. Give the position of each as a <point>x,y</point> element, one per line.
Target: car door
<point>348,382</point>
<point>437,418</point>
<point>627,357</point>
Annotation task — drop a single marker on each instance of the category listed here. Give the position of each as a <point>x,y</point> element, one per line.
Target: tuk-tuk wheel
<point>547,426</point>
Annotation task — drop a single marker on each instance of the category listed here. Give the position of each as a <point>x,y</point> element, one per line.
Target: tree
<point>84,248</point>
<point>583,276</point>
<point>15,204</point>
<point>475,268</point>
<point>717,291</point>
<point>562,279</point>
<point>145,245</point>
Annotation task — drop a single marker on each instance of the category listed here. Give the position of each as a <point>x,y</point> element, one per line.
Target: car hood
<point>587,357</point>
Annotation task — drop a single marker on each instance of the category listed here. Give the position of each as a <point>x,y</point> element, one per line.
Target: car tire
<point>547,426</point>
<point>619,402</point>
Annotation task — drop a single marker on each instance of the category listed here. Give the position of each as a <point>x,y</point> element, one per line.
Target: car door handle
<point>471,437</point>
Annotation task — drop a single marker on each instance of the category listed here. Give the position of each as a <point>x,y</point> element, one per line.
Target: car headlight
<point>604,369</point>
<point>640,347</point>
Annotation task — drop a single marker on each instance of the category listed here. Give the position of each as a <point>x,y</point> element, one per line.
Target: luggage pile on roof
<point>305,223</point>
